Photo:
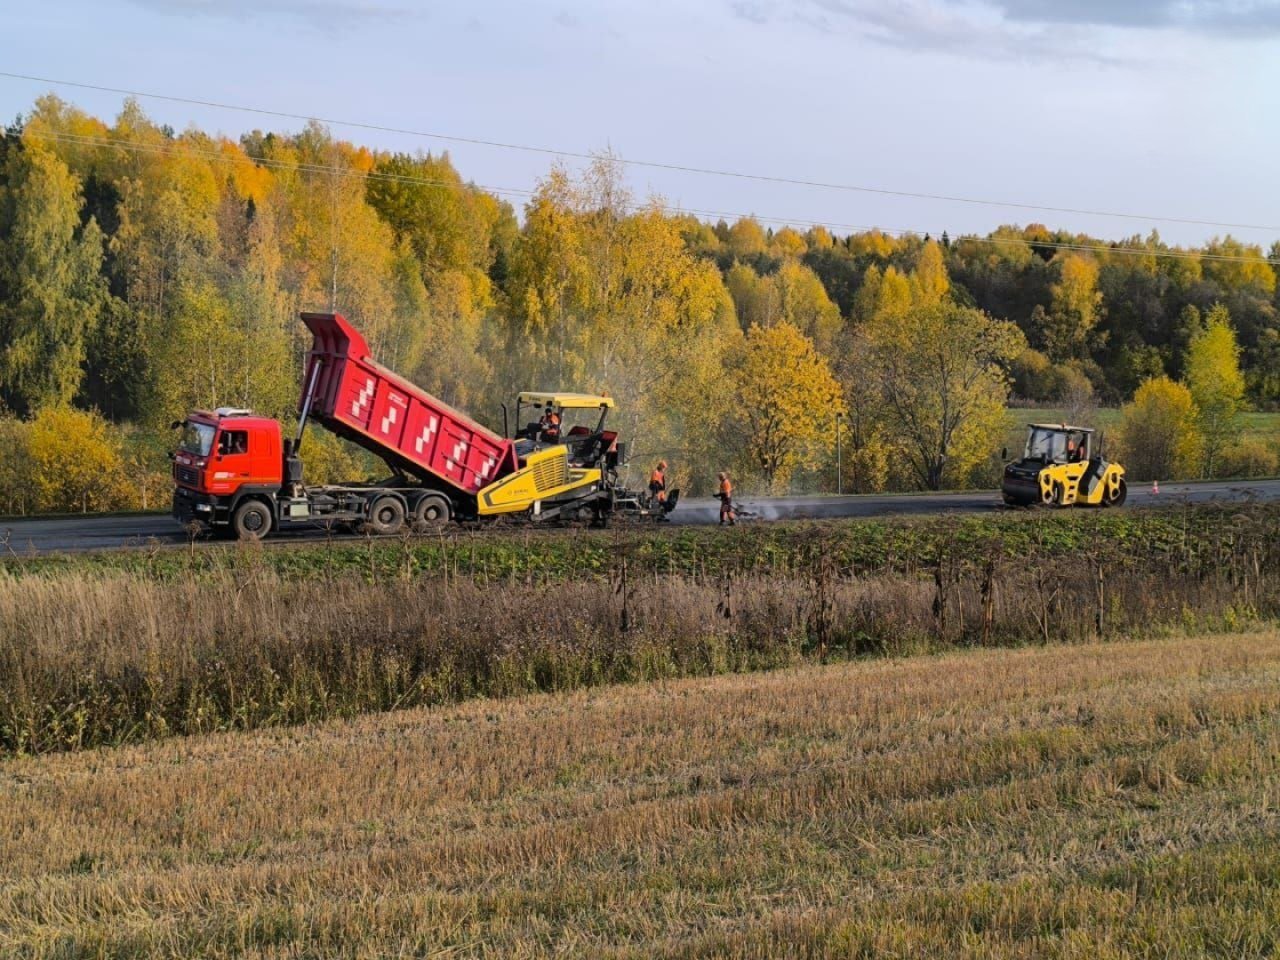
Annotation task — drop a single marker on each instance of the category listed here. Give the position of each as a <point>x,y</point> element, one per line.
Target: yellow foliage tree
<point>929,280</point>
<point>804,304</point>
<point>1237,265</point>
<point>607,298</point>
<point>787,242</point>
<point>819,238</point>
<point>15,486</point>
<point>873,243</point>
<point>940,375</point>
<point>867,300</point>
<point>868,450</point>
<point>73,461</point>
<point>754,297</point>
<point>548,281</point>
<point>785,399</point>
<point>453,363</point>
<point>657,340</point>
<point>1217,386</point>
<point>894,297</point>
<point>344,255</point>
<point>1075,310</point>
<point>1158,432</point>
<point>51,291</point>
<point>330,459</point>
<point>746,238</point>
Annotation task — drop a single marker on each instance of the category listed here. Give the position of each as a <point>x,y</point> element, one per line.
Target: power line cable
<point>651,164</point>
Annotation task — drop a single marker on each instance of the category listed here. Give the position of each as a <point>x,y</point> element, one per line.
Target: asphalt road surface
<point>78,534</point>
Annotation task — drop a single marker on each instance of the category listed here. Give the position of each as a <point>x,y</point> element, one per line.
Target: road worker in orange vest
<point>658,483</point>
<point>726,501</point>
<point>549,426</point>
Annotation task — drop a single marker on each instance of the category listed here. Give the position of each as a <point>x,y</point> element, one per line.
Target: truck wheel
<point>430,513</point>
<point>386,516</point>
<point>1118,498</point>
<point>252,520</point>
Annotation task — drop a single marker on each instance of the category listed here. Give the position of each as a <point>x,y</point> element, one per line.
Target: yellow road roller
<point>1063,466</point>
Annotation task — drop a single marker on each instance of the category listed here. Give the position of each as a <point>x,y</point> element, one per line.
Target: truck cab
<point>224,456</point>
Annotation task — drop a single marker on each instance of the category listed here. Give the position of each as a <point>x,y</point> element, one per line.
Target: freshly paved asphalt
<point>78,534</point>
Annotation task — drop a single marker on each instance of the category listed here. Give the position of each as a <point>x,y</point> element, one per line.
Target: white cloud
<point>1020,29</point>
<point>1232,17</point>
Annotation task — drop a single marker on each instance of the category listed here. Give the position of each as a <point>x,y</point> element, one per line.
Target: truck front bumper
<point>191,506</point>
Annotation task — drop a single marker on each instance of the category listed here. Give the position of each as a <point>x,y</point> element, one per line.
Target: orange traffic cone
<point>1155,486</point>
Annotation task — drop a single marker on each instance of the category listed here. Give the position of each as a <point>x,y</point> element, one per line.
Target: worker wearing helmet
<point>549,425</point>
<point>727,514</point>
<point>658,483</point>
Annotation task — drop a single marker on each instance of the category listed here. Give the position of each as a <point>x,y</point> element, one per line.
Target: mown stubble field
<point>1073,801</point>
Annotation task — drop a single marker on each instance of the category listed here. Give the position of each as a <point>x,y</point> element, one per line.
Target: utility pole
<point>839,458</point>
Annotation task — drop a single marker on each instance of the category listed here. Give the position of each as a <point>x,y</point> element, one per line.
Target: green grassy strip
<point>1191,535</point>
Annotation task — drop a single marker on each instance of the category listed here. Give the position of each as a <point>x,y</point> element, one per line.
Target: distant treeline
<point>145,272</point>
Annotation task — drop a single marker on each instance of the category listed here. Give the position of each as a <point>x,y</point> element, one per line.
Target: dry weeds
<point>92,658</point>
<point>1070,801</point>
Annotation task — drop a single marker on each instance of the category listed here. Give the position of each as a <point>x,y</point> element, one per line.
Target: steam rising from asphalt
<point>703,510</point>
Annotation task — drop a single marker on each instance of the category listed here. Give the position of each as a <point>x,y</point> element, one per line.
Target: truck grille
<point>187,475</point>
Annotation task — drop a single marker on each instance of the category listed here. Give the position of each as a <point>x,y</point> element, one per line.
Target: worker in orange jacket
<point>658,482</point>
<point>549,427</point>
<point>726,501</point>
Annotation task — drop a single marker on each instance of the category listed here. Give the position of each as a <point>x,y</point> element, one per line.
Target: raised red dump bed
<point>388,416</point>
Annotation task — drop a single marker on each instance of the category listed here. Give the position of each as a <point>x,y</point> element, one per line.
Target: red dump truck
<point>233,471</point>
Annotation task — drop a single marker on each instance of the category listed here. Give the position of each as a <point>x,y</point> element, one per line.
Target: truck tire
<point>430,513</point>
<point>386,516</point>
<point>252,520</point>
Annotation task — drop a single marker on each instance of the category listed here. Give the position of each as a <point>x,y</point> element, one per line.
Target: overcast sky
<point>1163,108</point>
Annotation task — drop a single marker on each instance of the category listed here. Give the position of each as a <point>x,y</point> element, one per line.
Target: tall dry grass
<point>1065,801</point>
<point>105,657</point>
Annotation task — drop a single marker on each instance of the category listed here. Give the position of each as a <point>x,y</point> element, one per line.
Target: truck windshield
<point>197,438</point>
